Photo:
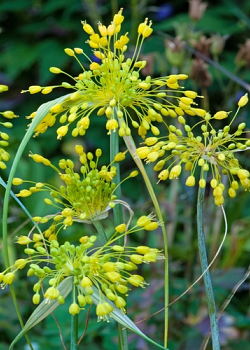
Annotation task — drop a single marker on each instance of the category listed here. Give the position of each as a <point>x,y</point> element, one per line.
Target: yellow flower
<point>4,137</point>
<point>100,269</point>
<point>212,149</point>
<point>115,89</point>
<point>84,197</point>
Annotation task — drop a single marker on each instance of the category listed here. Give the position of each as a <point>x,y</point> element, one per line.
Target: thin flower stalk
<point>132,149</point>
<point>74,327</point>
<point>118,217</point>
<point>204,267</point>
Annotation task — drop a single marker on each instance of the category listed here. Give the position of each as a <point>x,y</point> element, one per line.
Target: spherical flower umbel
<point>84,197</point>
<point>4,137</point>
<point>100,269</point>
<point>211,149</point>
<point>114,88</point>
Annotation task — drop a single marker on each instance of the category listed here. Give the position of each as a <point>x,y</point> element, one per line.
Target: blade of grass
<point>41,113</point>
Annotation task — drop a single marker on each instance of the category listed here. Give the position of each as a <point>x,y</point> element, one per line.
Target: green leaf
<point>15,5</point>
<point>121,318</point>
<point>65,287</point>
<point>17,58</point>
<point>44,309</point>
<point>40,114</point>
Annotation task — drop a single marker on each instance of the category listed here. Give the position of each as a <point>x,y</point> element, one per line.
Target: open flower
<point>4,155</point>
<point>113,87</point>
<point>84,196</point>
<point>211,149</point>
<point>102,268</point>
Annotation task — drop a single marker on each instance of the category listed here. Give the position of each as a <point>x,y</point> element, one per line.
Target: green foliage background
<point>33,35</point>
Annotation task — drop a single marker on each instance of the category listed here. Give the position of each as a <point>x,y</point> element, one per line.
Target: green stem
<point>74,326</point>
<point>101,232</point>
<point>132,149</point>
<point>122,337</point>
<point>118,219</point>
<point>204,266</point>
<point>114,149</point>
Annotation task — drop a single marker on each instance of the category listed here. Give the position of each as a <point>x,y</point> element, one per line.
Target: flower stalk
<point>204,266</point>
<point>118,218</point>
<point>74,325</point>
<point>132,149</point>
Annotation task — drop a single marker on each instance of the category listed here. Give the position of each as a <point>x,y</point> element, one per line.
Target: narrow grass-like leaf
<point>65,287</point>
<point>42,111</point>
<point>122,319</point>
<point>44,309</point>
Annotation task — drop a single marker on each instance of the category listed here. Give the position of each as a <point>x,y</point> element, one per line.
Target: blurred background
<point>211,43</point>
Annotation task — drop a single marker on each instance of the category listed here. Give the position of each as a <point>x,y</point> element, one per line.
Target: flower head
<point>211,149</point>
<point>93,268</point>
<point>113,87</point>
<point>4,155</point>
<point>84,196</point>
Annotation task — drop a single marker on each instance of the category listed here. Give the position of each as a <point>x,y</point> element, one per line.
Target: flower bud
<point>36,299</point>
<point>74,309</point>
<point>243,101</point>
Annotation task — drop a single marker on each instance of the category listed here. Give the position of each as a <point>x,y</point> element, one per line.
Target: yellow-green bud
<point>142,221</point>
<point>86,282</point>
<point>8,278</point>
<point>243,101</point>
<point>190,181</point>
<point>135,280</point>
<point>24,240</point>
<point>17,181</point>
<point>74,309</point>
<point>55,70</point>
<point>34,89</point>
<point>121,228</point>
<point>151,226</point>
<point>69,52</point>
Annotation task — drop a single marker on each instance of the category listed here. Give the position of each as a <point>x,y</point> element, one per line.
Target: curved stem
<point>204,266</point>
<point>42,111</point>
<point>132,149</point>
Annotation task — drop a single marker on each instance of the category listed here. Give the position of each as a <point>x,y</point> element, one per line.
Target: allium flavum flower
<point>4,156</point>
<point>102,269</point>
<point>214,149</point>
<point>83,197</point>
<point>114,87</point>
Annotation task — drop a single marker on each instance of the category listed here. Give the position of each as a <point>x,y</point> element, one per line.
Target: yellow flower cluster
<point>101,268</point>
<point>4,155</point>
<point>211,149</point>
<point>86,196</point>
<point>114,88</point>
